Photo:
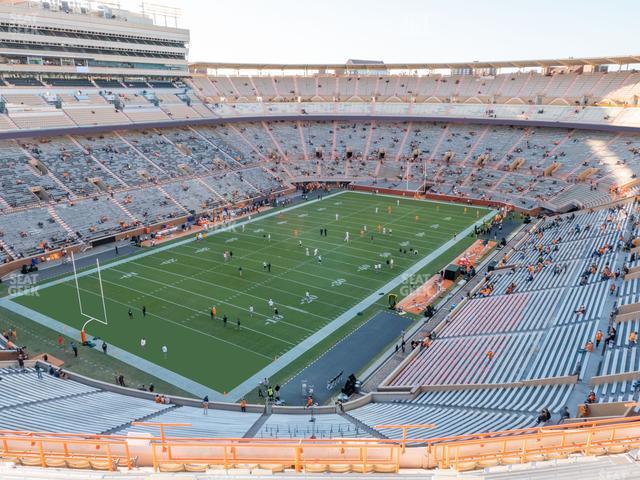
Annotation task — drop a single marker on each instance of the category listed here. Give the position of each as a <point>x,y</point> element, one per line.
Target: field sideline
<point>179,284</point>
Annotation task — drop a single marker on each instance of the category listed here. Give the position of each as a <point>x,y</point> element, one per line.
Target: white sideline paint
<point>169,246</point>
<point>248,385</point>
<point>312,340</point>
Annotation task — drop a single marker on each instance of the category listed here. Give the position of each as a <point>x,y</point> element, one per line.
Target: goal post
<point>89,318</point>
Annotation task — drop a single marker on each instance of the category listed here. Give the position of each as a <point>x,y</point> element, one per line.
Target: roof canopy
<point>566,62</point>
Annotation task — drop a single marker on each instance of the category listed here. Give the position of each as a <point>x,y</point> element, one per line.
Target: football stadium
<point>367,268</point>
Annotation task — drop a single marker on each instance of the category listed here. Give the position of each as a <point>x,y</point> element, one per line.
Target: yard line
<point>271,244</point>
<point>215,285</point>
<point>217,262</point>
<point>252,284</point>
<point>311,341</point>
<point>414,209</point>
<point>168,320</point>
<point>373,253</point>
<point>125,356</point>
<point>185,306</point>
<point>357,226</point>
<point>174,244</point>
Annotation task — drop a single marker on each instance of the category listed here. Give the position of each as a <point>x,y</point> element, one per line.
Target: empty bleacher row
<point>329,151</point>
<point>216,423</point>
<point>560,88</point>
<point>448,421</point>
<point>49,403</point>
<point>58,405</point>
<point>36,110</point>
<point>36,230</point>
<point>543,317</point>
<point>164,162</point>
<point>520,399</point>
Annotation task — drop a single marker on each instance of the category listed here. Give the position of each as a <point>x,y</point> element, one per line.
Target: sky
<point>332,31</point>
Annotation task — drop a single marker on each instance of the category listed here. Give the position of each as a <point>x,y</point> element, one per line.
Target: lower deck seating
<point>107,217</point>
<point>149,205</point>
<point>30,232</point>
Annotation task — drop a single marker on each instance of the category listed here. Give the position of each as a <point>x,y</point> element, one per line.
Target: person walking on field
<point>144,311</point>
<point>130,312</point>
<point>165,351</point>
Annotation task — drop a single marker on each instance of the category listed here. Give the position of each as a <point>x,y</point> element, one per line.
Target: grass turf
<point>179,286</point>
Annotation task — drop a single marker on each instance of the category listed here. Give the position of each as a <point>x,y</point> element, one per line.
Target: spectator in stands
<point>611,336</point>
<point>591,398</point>
<point>564,414</point>
<point>544,416</point>
<point>243,405</point>
<point>205,405</point>
<point>38,370</point>
<point>599,336</point>
<point>633,339</point>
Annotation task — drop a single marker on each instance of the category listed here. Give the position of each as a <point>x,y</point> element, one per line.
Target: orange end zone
<point>418,300</point>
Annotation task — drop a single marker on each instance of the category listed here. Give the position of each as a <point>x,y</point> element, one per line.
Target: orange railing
<point>459,452</point>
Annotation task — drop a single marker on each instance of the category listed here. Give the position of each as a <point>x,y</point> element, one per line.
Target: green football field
<point>179,285</point>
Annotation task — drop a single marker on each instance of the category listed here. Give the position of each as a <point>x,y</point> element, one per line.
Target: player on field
<point>346,237</point>
<point>251,311</point>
